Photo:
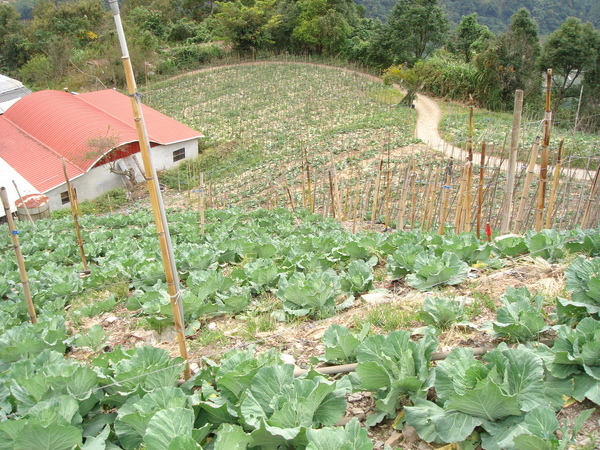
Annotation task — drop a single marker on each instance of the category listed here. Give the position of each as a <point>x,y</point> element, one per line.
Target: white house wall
<point>100,180</point>
<point>162,155</point>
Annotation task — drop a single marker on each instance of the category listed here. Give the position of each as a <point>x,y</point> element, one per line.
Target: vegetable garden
<point>260,271</point>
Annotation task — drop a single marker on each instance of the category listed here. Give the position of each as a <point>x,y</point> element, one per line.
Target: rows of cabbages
<point>126,399</point>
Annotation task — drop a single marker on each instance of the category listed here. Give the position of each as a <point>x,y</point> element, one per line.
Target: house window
<point>178,155</point>
<point>64,196</point>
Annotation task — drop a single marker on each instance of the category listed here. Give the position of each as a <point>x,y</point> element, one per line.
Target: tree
<point>323,26</point>
<point>248,27</point>
<point>468,33</point>
<point>518,50</point>
<point>569,51</point>
<point>415,28</point>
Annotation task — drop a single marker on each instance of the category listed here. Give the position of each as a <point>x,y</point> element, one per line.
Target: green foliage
<point>520,319</point>
<point>394,367</point>
<point>441,312</point>
<point>341,344</point>
<point>583,281</point>
<point>498,397</point>
<point>435,271</point>
<point>415,28</point>
<point>576,356</point>
<point>351,437</point>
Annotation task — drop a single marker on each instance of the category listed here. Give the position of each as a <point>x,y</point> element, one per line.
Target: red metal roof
<point>41,128</point>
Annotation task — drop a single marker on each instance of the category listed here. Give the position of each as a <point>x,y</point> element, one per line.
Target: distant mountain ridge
<point>496,14</point>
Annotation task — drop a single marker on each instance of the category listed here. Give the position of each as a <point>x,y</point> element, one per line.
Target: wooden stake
<point>593,191</point>
<point>480,190</point>
<point>506,210</point>
<point>554,184</point>
<point>431,199</point>
<point>527,184</point>
<point>445,197</point>
<point>376,197</point>
<point>201,201</point>
<point>20,261</point>
<point>402,209</point>
<point>355,213</point>
<point>412,196</point>
<point>544,159</point>
<point>74,211</point>
<point>311,204</point>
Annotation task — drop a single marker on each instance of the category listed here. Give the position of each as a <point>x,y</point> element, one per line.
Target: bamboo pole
<point>432,199</point>
<point>332,196</point>
<point>445,197</point>
<point>311,204</point>
<point>303,171</point>
<point>527,184</point>
<point>413,195</point>
<point>554,184</point>
<point>544,157</point>
<point>402,209</point>
<point>201,200</point>
<point>366,199</point>
<point>155,195</point>
<point>23,203</point>
<point>458,219</point>
<point>469,186</point>
<point>14,235</point>
<point>426,195</point>
<point>387,196</point>
<point>74,211</point>
<point>376,197</point>
<point>480,190</point>
<point>355,213</point>
<point>593,191</point>
<point>509,193</point>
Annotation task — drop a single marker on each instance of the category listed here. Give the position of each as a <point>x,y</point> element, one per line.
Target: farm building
<point>10,91</point>
<point>95,134</point>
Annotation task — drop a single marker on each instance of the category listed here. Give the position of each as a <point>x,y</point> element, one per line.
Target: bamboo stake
<point>544,158</point>
<point>480,190</point>
<point>445,197</point>
<point>21,263</point>
<point>527,184</point>
<point>201,200</point>
<point>332,195</point>
<point>311,204</point>
<point>376,197</point>
<point>593,192</point>
<point>554,184</point>
<point>355,213</point>
<point>402,209</point>
<point>458,220</point>
<point>387,197</point>
<point>74,211</point>
<point>426,195</point>
<point>412,196</point>
<point>303,171</point>
<point>155,195</point>
<point>509,193</point>
<point>431,199</point>
<point>293,206</point>
<point>23,203</point>
<point>366,199</point>
<point>469,186</point>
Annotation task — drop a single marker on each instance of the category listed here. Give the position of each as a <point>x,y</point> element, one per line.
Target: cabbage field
<point>299,267</point>
<point>330,301</point>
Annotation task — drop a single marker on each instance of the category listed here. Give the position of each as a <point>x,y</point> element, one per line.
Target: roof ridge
<point>112,115</point>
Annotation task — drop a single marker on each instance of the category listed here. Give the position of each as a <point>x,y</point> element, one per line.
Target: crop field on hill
<point>448,338</point>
